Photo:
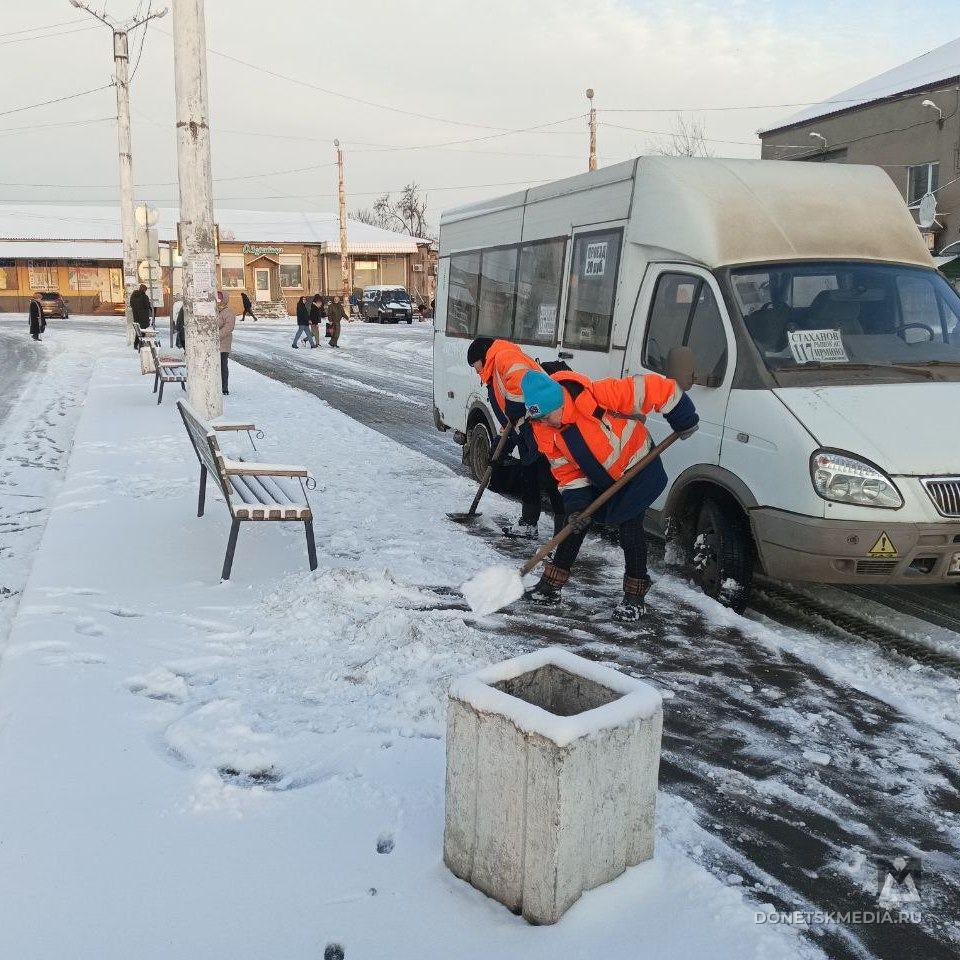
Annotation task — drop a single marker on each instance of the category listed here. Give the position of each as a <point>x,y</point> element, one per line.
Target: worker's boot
<point>633,605</point>
<point>546,591</point>
<point>522,529</point>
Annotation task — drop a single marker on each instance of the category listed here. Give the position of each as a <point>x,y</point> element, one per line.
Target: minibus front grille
<point>945,494</point>
<point>876,568</point>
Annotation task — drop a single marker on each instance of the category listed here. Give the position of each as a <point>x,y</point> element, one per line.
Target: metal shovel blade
<point>463,517</point>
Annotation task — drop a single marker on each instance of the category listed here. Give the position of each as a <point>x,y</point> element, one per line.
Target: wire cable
<point>47,103</point>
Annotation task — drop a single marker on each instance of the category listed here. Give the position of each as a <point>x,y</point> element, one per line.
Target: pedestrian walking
<point>247,308</point>
<point>140,306</point>
<point>336,315</point>
<point>303,324</point>
<point>228,320</point>
<point>181,340</point>
<point>316,315</point>
<point>37,322</point>
<point>501,366</point>
<point>591,432</point>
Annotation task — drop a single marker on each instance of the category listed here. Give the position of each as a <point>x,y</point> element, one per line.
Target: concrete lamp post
<point>551,786</point>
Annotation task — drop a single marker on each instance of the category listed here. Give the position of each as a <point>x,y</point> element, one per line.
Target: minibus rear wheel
<point>722,554</point>
<point>478,450</point>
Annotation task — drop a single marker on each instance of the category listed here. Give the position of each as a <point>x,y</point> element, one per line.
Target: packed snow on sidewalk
<point>255,768</point>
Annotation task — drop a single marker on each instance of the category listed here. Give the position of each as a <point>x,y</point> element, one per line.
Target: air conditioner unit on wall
<point>418,268</point>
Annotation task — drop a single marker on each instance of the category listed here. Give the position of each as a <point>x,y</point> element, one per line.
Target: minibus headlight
<point>846,479</point>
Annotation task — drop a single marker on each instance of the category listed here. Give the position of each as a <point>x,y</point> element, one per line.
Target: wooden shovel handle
<point>599,502</point>
<point>487,476</point>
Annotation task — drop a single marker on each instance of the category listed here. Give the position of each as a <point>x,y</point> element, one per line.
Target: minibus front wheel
<point>476,451</point>
<point>722,553</point>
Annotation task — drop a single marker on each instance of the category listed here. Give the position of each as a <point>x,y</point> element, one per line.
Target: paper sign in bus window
<point>595,262</point>
<point>817,346</point>
<point>547,320</point>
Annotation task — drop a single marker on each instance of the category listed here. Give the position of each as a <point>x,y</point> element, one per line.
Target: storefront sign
<point>255,251</point>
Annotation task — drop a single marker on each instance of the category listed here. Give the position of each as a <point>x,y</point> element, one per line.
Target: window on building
<point>231,271</point>
<point>922,179</point>
<point>83,279</point>
<point>498,292</point>
<point>685,314</point>
<point>291,271</point>
<point>539,286</point>
<point>593,290</point>
<point>462,295</point>
<point>8,275</point>
<point>42,275</point>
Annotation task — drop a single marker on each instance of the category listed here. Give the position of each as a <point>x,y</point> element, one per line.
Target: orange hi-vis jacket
<point>592,408</point>
<point>502,372</point>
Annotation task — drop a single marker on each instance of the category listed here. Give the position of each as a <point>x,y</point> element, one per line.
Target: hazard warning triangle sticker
<point>883,547</point>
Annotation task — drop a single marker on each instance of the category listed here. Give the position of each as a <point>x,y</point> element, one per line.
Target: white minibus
<point>798,305</point>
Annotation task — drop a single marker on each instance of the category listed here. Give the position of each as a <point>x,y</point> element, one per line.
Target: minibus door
<point>681,305</point>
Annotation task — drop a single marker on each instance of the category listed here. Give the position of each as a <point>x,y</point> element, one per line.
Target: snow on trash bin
<point>551,785</point>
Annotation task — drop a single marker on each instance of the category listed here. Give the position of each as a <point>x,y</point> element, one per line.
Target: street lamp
<point>821,138</point>
<point>931,105</point>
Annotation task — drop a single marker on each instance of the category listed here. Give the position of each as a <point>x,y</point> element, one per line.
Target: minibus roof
<point>722,212</point>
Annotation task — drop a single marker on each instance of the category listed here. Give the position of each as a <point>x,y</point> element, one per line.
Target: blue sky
<point>445,86</point>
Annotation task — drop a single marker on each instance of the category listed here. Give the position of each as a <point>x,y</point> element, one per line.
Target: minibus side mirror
<point>680,366</point>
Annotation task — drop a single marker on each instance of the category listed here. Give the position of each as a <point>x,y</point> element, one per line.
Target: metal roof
<point>60,250</point>
<point>928,70</point>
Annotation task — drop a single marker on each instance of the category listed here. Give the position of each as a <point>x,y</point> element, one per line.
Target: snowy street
<point>212,745</point>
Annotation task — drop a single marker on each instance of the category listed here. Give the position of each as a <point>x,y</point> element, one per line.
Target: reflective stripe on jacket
<point>604,440</point>
<point>502,371</point>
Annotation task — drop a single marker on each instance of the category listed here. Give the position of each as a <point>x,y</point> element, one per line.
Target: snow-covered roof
<point>74,222</point>
<point>936,66</point>
<point>61,250</point>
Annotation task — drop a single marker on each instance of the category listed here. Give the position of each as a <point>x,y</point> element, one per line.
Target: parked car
<point>386,304</point>
<point>53,305</point>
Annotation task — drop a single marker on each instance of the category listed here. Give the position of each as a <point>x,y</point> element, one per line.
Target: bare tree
<point>687,140</point>
<point>407,214</point>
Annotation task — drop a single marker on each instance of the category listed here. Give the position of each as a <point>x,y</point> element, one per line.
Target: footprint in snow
<point>333,951</point>
<point>385,843</point>
<point>88,628</point>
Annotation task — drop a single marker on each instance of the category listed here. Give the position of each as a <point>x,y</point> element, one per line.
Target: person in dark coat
<point>140,307</point>
<point>336,315</point>
<point>247,308</point>
<point>37,323</point>
<point>303,324</point>
<point>181,331</point>
<point>316,315</point>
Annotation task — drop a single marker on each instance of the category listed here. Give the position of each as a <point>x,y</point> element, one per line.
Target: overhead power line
<point>742,106</point>
<point>671,133</point>
<point>47,103</point>
<point>46,36</point>
<point>49,26</point>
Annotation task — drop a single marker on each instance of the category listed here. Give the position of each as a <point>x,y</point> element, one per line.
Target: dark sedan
<point>53,305</point>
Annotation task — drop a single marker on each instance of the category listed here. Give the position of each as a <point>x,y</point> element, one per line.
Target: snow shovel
<point>472,514</point>
<point>497,587</point>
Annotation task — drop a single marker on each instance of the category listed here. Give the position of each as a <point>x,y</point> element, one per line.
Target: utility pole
<point>128,226</point>
<point>344,267</point>
<point>197,230</point>
<point>592,164</point>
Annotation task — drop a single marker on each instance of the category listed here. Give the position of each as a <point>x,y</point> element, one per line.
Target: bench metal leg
<point>231,549</point>
<point>156,380</point>
<point>311,545</point>
<point>160,394</point>
<point>183,385</point>
<point>203,490</point>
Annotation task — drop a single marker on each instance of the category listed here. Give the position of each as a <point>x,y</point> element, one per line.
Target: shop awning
<point>353,247</point>
<point>60,250</point>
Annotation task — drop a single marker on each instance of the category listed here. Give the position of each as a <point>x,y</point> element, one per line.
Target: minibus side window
<point>462,296</point>
<point>498,292</point>
<point>593,290</point>
<point>539,286</point>
<point>684,313</point>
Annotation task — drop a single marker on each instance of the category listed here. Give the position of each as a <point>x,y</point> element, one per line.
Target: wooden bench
<point>143,335</point>
<point>166,370</point>
<point>252,491</point>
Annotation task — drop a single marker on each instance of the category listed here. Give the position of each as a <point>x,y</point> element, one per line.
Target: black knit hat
<point>478,350</point>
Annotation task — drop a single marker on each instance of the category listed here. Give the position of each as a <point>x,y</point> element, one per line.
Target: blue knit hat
<point>540,394</point>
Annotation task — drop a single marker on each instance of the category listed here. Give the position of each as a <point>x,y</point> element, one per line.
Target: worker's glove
<point>579,522</point>
<point>494,458</point>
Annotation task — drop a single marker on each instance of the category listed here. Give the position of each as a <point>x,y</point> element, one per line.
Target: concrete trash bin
<point>551,789</point>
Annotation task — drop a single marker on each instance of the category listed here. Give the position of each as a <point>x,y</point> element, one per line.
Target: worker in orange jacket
<point>592,433</point>
<point>501,365</point>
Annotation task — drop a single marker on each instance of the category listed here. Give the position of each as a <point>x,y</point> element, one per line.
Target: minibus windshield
<point>835,315</point>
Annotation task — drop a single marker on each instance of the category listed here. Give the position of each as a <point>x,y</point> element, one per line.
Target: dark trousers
<point>335,334</point>
<point>247,313</point>
<point>632,540</point>
<point>224,372</point>
<point>536,479</point>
